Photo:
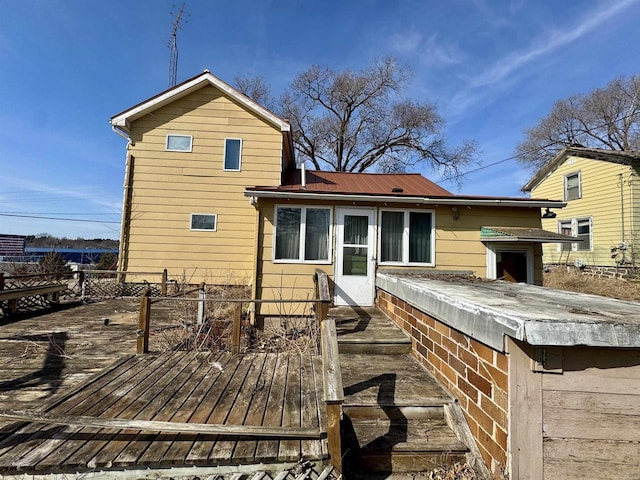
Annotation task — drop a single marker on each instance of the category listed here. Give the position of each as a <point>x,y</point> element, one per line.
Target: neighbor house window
<point>583,232</point>
<point>302,234</point>
<point>572,187</point>
<point>179,143</point>
<point>407,237</point>
<point>232,154</point>
<point>204,221</point>
<point>581,228</point>
<point>565,228</point>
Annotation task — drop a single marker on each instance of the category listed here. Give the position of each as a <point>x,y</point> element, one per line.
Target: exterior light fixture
<point>548,214</point>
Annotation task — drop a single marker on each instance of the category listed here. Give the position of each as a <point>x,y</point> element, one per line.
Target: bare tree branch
<point>607,118</point>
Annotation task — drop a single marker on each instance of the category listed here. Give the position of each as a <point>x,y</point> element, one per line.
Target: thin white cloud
<point>546,43</point>
<point>71,192</point>
<point>429,50</point>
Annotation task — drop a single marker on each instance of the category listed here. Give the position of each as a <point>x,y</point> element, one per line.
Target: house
<point>601,190</point>
<point>212,193</point>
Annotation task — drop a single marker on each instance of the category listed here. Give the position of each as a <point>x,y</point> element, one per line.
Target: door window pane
<point>356,229</point>
<point>354,261</point>
<point>316,244</point>
<point>288,234</point>
<point>392,228</point>
<point>419,237</point>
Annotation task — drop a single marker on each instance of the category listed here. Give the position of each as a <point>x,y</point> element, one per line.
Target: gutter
<point>417,200</point>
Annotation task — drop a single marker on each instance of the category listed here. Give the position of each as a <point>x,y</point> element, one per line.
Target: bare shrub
<point>577,282</point>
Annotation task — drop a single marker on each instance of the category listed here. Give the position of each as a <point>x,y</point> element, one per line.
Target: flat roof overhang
<point>523,235</point>
<point>465,201</point>
<point>489,310</point>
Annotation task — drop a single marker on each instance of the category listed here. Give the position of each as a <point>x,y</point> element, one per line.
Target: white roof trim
<point>488,202</point>
<point>125,118</point>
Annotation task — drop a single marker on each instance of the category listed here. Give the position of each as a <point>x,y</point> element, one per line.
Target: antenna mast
<point>173,47</point>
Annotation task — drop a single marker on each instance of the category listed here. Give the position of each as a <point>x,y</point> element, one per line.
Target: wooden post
<point>163,286</point>
<point>202,295</point>
<point>81,280</point>
<point>1,280</point>
<point>334,412</point>
<point>237,321</point>
<point>143,322</point>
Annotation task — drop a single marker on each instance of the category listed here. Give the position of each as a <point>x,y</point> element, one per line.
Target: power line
<point>55,213</point>
<point>527,152</point>
<point>84,220</point>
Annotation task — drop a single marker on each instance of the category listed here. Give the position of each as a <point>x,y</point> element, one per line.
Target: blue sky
<point>493,68</point>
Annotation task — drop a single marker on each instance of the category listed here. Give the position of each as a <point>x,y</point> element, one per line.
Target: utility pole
<point>173,46</point>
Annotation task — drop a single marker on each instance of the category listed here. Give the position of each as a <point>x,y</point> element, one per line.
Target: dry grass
<point>608,287</point>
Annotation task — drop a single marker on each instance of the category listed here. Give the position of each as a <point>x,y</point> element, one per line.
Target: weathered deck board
<point>251,389</point>
<point>268,449</point>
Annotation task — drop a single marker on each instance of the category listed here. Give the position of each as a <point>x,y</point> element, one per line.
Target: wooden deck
<point>275,390</point>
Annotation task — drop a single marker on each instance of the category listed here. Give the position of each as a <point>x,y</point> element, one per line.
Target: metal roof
<point>381,187</point>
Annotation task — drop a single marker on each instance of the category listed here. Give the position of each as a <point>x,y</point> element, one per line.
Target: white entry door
<point>355,256</point>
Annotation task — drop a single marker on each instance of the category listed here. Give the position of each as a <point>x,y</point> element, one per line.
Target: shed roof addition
<point>521,234</point>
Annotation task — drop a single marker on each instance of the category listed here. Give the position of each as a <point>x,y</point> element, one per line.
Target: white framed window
<point>232,154</point>
<point>572,186</point>
<point>179,143</point>
<point>582,228</point>
<point>302,234</point>
<point>204,222</point>
<point>407,237</point>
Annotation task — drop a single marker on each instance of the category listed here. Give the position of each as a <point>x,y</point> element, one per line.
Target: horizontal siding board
<point>590,402</point>
<point>572,459</point>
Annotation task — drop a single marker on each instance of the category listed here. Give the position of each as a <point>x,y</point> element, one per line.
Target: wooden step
<point>400,445</point>
<point>367,330</point>
<point>389,381</point>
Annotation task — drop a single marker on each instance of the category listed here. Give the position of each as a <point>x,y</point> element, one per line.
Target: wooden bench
<point>11,296</point>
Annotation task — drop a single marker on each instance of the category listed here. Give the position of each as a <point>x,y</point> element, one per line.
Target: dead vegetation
<point>608,287</point>
<point>286,333</point>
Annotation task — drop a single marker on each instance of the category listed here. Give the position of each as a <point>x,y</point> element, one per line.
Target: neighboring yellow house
<point>600,188</point>
<point>191,205</point>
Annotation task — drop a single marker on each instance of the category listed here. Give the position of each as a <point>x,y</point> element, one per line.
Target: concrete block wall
<point>474,373</point>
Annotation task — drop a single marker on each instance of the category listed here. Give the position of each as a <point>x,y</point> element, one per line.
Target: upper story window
<point>179,143</point>
<point>204,221</point>
<point>232,154</point>
<point>302,234</point>
<point>572,186</point>
<point>407,237</point>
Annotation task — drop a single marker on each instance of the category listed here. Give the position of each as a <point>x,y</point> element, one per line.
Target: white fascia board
<point>417,200</point>
<point>124,119</point>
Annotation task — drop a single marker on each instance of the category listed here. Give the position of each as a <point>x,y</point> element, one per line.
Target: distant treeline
<point>51,241</point>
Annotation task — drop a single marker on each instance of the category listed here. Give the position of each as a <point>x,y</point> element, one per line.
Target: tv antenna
<point>173,45</point>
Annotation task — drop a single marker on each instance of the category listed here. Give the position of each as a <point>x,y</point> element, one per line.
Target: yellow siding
<point>458,247</point>
<point>601,201</point>
<point>169,186</point>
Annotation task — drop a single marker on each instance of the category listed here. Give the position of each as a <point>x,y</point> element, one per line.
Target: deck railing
<point>331,372</point>
<point>333,395</point>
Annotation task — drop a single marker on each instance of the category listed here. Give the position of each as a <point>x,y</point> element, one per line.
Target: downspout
<point>303,175</point>
<point>126,205</point>
<point>621,175</point>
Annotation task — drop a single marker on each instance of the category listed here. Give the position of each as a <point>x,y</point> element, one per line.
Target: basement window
<point>207,222</point>
<point>179,143</point>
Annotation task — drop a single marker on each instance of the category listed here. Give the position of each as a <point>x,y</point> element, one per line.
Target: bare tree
<point>607,118</point>
<point>257,89</point>
<point>357,121</point>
